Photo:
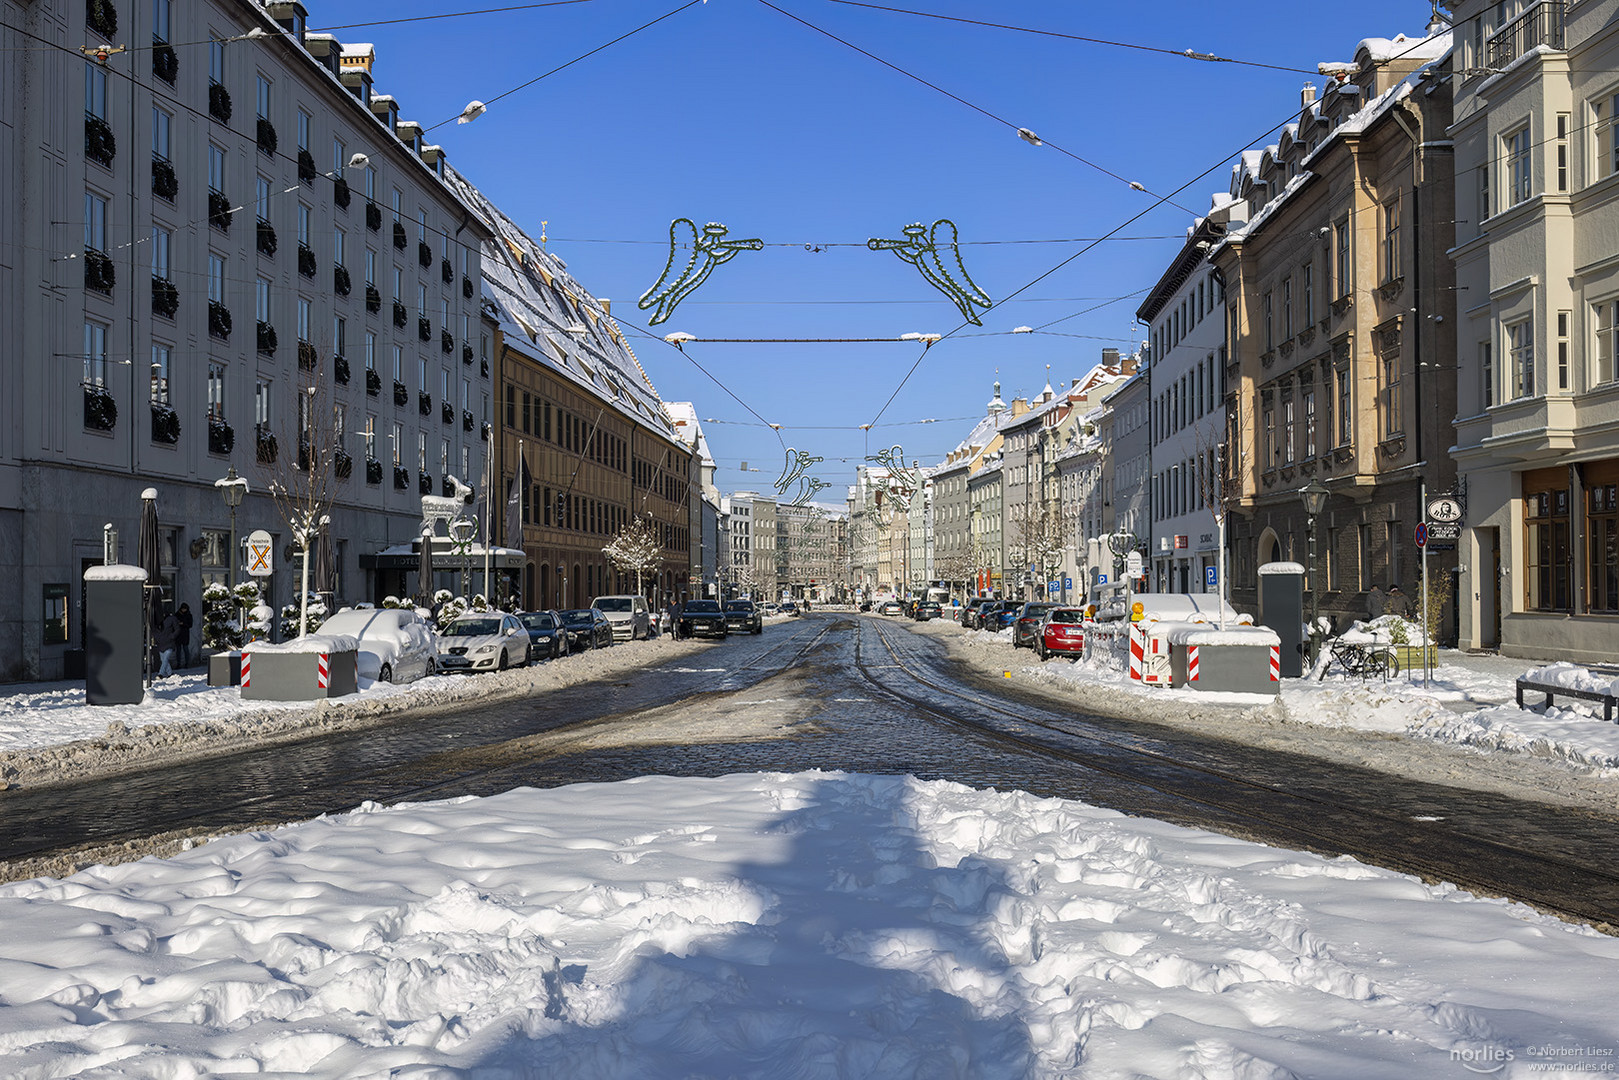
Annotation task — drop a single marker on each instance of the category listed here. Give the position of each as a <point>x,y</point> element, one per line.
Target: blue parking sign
<point>1211,577</point>
<point>1101,579</point>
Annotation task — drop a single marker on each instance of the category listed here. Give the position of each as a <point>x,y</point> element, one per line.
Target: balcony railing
<point>1541,24</point>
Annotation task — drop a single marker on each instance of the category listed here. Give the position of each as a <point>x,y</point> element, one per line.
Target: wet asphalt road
<point>863,695</point>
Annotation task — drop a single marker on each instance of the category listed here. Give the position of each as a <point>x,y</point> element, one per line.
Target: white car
<point>483,641</point>
<point>396,644</point>
<point>630,616</point>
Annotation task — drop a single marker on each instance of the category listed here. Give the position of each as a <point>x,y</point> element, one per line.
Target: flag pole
<point>488,474</point>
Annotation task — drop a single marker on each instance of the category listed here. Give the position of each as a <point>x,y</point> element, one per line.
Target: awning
<point>446,556</point>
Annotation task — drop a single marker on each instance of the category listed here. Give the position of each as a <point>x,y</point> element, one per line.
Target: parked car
<point>546,637</point>
<point>586,628</point>
<point>928,609</point>
<point>743,617</point>
<point>790,608</point>
<point>865,605</point>
<point>770,608</point>
<point>702,618</point>
<point>630,616</point>
<point>970,611</point>
<point>396,644</point>
<point>999,615</point>
<point>1062,632</point>
<point>891,607</point>
<point>483,641</point>
<point>1026,629</point>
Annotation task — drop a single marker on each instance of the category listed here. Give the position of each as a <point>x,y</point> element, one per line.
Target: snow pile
<point>308,643</point>
<point>1573,677</point>
<point>809,925</point>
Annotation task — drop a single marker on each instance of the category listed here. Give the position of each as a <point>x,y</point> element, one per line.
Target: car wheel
<point>432,667</point>
<point>1040,651</point>
<point>386,674</point>
<point>502,666</point>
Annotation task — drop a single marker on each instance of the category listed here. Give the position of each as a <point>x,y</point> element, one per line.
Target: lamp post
<point>1314,496</point>
<point>461,531</point>
<point>233,488</point>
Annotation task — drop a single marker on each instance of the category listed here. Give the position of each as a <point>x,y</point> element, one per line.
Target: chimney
<point>1128,367</point>
<point>1307,96</point>
<point>1110,358</point>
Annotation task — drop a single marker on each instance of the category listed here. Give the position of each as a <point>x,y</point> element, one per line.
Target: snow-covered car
<point>396,644</point>
<point>483,641</point>
<point>629,615</point>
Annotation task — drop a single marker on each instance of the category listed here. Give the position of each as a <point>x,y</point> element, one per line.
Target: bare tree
<point>1222,461</point>
<point>637,549</point>
<point>301,479</point>
<point>1041,534</point>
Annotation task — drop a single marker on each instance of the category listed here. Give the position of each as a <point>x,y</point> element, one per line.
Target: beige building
<point>1537,270</point>
<point>1341,320</point>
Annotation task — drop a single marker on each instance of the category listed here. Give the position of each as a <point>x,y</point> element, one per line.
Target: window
<point>263,98</point>
<point>161,19</point>
<point>1607,323</point>
<point>1486,367</point>
<point>1393,576</point>
<point>1334,572</point>
<point>95,90</point>
<point>1287,308</point>
<point>261,402</point>
<point>1270,436</point>
<point>1289,445</point>
<point>161,144</point>
<point>305,321</point>
<point>399,364</point>
<point>1364,554</point>
<point>304,123</point>
<point>216,60</point>
<point>216,168</point>
<point>340,336</point>
<point>340,247</point>
<point>1346,420</point>
<point>216,278</point>
<point>95,222</point>
<point>305,219</point>
<point>1562,349</point>
<point>370,436</point>
<point>397,440</point>
<point>1391,239</point>
<point>371,267</point>
<point>1605,156</point>
<point>1341,235</point>
<point>1269,314</point>
<point>95,354</point>
<point>216,390</point>
<point>1547,551</point>
<point>1602,544</point>
<point>1562,151</point>
<point>1307,292</point>
<point>1309,423</point>
<point>1391,408</point>
<point>1521,355</point>
<point>1484,208</point>
<point>370,183</point>
<point>162,246</point>
<point>370,351</point>
<point>340,157</point>
<point>1515,149</point>
<point>421,451</point>
<point>261,300</point>
<point>262,199</point>
<point>398,207</point>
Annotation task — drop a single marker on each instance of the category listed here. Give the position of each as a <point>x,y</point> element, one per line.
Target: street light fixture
<point>461,531</point>
<point>233,488</point>
<point>1314,496</point>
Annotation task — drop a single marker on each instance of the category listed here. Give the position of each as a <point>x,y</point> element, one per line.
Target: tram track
<point>1569,881</point>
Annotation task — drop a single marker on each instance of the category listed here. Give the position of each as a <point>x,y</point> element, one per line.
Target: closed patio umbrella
<point>424,570</point>
<point>324,577</point>
<point>150,559</point>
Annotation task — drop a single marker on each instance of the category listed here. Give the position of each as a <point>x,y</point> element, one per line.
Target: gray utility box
<point>225,669</point>
<point>1235,660</point>
<point>1281,607</point>
<point>114,636</point>
<point>277,673</point>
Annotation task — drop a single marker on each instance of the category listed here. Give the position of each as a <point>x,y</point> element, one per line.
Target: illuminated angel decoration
<point>798,463</point>
<point>807,490</point>
<point>711,249</point>
<point>924,249</point>
<point>899,476</point>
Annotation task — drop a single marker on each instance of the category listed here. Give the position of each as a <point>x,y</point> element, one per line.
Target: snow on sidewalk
<point>815,925</point>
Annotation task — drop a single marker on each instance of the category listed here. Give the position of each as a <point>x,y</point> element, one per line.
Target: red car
<point>1062,632</point>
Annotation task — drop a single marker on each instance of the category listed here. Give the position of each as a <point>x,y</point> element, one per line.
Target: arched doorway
<point>543,597</point>
<point>1269,548</point>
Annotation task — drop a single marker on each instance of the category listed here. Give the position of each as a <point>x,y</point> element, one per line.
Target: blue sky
<point>734,111</point>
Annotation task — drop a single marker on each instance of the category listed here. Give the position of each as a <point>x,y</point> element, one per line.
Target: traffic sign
<point>1444,509</point>
<point>1101,579</point>
<point>1052,587</point>
<point>1443,530</point>
<point>1132,564</point>
<point>1422,533</point>
<point>260,554</point>
<point>1067,582</point>
<point>1211,577</point>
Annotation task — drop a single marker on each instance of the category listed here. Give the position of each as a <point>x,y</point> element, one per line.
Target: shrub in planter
<point>98,271</point>
<point>446,486</point>
<point>483,368</point>
<point>424,328</point>
<point>401,316</point>
<point>221,436</point>
<point>446,412</point>
<point>267,449</point>
<point>340,369</point>
<point>100,411</point>
<point>446,343</point>
<point>401,477</point>
<point>466,287</point>
<point>99,143</point>
<point>373,382</point>
<point>424,484</point>
<point>342,284</point>
<point>373,471</point>
<point>401,395</point>
<point>307,357</point>
<point>306,261</point>
<point>424,403</point>
<point>306,166</point>
<point>485,430</point>
<point>165,183</point>
<point>218,320</point>
<point>466,352</point>
<point>165,424</point>
<point>399,235</point>
<point>266,237</point>
<point>446,271</point>
<point>373,299</point>
<point>267,339</point>
<point>219,102</point>
<point>373,216</point>
<point>102,17</point>
<point>424,254</point>
<point>266,136</point>
<point>165,61</point>
<point>342,194</point>
<point>342,464</point>
<point>165,297</point>
<point>466,420</point>
<point>219,631</point>
<point>219,210</point>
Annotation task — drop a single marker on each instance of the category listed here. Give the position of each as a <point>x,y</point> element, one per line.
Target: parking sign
<point>1211,577</point>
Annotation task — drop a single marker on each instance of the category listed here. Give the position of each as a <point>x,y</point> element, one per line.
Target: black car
<point>790,608</point>
<point>743,617</point>
<point>927,609</point>
<point>545,635</point>
<point>702,618</point>
<point>587,628</point>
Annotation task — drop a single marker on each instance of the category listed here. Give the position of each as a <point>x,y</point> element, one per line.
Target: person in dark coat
<point>674,620</point>
<point>1398,603</point>
<point>168,632</point>
<point>182,647</point>
<point>1376,604</point>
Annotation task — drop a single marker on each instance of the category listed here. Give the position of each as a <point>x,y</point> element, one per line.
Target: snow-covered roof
<point>688,429</point>
<point>115,572</point>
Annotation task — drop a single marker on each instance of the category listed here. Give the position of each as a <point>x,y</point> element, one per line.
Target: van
<point>630,616</point>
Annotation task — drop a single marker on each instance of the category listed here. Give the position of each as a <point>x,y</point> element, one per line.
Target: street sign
<point>1101,579</point>
<point>1052,587</point>
<point>1067,582</point>
<point>1211,577</point>
<point>1444,509</point>
<point>1443,530</point>
<point>1422,534</point>
<point>260,554</point>
<point>1132,564</point>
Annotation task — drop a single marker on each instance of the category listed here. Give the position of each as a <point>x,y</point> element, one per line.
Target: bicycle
<point>1362,661</point>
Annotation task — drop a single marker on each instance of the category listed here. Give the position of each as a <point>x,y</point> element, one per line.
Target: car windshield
<point>613,603</point>
<point>1036,610</point>
<point>739,605</point>
<point>539,622</point>
<point>1067,615</point>
<point>579,616</point>
<point>699,606</point>
<point>472,628</point>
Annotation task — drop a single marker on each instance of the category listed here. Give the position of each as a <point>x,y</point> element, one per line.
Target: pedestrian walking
<point>1375,603</point>
<point>1398,603</point>
<point>168,632</point>
<point>674,620</point>
<point>183,646</point>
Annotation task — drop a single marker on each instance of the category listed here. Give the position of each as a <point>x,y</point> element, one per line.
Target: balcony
<point>1541,24</point>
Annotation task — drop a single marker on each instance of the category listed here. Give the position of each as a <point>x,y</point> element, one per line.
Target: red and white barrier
<point>1191,663</point>
<point>1275,663</point>
<point>1137,647</point>
<point>247,669</point>
<point>323,672</point>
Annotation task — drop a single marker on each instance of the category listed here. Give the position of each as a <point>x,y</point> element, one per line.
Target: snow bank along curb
<point>125,747</point>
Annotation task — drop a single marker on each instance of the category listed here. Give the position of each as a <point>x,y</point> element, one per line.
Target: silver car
<point>483,641</point>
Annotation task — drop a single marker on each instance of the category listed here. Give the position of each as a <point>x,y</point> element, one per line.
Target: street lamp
<point>233,488</point>
<point>461,531</point>
<point>1314,496</point>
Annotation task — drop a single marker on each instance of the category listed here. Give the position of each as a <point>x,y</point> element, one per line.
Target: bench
<point>1565,692</point>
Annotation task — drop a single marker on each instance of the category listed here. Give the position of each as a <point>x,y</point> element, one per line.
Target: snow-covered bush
<point>259,618</point>
<point>219,630</point>
<point>290,627</point>
<point>393,603</point>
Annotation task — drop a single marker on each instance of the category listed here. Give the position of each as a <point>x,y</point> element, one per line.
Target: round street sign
<point>1422,534</point>
<point>1444,509</point>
